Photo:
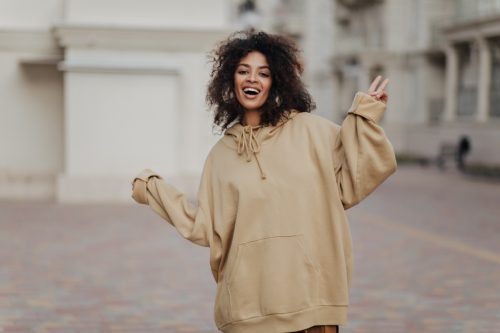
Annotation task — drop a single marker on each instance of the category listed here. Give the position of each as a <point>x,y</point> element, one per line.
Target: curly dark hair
<point>287,89</point>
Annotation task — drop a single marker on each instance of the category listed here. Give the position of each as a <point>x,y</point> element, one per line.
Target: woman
<point>274,189</point>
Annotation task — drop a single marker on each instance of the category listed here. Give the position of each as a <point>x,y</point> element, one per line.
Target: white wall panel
<point>118,124</point>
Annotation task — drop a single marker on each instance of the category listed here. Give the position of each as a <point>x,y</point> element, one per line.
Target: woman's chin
<point>251,106</point>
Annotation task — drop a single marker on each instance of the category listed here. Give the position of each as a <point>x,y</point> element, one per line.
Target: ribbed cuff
<point>367,107</point>
<point>140,182</point>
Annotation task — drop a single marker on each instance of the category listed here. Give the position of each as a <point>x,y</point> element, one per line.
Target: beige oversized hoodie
<point>271,207</point>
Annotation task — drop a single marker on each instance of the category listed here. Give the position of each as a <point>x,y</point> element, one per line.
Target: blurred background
<point>93,91</point>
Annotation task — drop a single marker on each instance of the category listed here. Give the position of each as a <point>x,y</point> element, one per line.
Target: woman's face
<point>252,81</point>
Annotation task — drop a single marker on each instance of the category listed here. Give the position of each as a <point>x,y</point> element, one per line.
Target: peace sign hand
<point>379,93</point>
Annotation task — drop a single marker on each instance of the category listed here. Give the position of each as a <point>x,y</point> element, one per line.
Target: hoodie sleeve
<point>363,156</point>
<point>193,222</point>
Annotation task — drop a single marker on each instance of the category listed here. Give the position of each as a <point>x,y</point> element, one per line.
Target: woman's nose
<point>252,77</point>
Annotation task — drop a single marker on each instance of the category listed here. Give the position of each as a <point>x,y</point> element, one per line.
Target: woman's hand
<point>377,91</point>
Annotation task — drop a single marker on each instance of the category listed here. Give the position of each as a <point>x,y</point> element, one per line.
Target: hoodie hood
<point>247,140</point>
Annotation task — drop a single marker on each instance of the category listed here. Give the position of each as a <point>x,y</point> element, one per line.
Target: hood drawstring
<point>247,143</point>
<point>248,139</point>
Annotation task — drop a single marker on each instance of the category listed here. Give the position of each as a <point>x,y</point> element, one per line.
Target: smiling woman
<point>274,190</point>
<point>269,67</point>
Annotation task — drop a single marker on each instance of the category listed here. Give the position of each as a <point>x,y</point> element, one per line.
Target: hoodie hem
<point>290,321</point>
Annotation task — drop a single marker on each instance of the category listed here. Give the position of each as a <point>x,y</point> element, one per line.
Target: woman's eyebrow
<point>260,67</point>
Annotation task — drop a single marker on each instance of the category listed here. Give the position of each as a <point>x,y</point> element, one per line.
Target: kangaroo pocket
<point>272,275</point>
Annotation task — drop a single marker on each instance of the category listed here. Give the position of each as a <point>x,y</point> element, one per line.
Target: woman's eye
<point>265,74</point>
<point>242,72</point>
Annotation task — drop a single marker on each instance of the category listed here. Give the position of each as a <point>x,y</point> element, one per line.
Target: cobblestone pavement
<point>426,254</point>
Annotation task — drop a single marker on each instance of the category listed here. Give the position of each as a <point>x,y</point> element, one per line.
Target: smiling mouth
<point>251,91</point>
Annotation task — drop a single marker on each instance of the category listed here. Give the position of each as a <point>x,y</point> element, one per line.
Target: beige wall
<point>31,128</point>
<point>135,77</point>
<point>30,14</point>
<point>31,115</point>
<point>95,91</point>
<point>190,14</point>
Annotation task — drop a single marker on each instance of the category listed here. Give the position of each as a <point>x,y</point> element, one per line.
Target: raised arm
<point>363,155</point>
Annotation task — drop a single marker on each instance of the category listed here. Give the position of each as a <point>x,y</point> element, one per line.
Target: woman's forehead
<point>254,59</point>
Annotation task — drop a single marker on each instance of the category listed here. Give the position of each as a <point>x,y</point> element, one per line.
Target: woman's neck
<point>252,118</point>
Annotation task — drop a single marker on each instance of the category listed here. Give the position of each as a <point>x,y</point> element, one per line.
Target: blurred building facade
<point>93,91</point>
<point>440,57</point>
<point>442,60</point>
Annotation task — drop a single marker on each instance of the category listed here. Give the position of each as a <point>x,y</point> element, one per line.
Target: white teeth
<point>251,91</point>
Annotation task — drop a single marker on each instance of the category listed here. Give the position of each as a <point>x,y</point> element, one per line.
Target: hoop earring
<point>228,96</point>
<point>278,101</point>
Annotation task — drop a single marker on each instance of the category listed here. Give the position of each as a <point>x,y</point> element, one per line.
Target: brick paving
<point>426,254</point>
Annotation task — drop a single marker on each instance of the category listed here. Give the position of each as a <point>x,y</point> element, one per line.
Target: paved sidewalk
<point>427,255</point>
<point>426,259</point>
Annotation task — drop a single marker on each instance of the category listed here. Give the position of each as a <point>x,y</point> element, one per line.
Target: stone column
<point>451,83</point>
<point>484,80</point>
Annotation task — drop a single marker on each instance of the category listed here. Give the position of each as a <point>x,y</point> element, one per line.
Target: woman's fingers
<point>382,86</point>
<point>373,86</point>
<point>377,89</point>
